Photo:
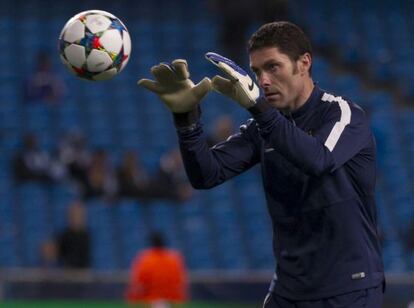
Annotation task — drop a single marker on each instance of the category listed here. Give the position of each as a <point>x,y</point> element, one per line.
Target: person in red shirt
<point>158,275</point>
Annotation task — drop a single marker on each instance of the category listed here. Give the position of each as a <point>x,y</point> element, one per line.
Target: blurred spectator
<point>222,129</point>
<point>49,255</point>
<point>132,177</point>
<point>44,85</point>
<point>100,178</point>
<point>32,163</point>
<point>74,241</point>
<point>170,181</point>
<point>158,275</point>
<point>75,156</point>
<point>238,16</point>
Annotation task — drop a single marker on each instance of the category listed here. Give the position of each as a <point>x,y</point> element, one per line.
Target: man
<point>317,155</point>
<point>74,241</point>
<point>158,276</point>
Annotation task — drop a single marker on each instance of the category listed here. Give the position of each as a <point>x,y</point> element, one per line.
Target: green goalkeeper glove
<point>239,86</point>
<point>173,86</point>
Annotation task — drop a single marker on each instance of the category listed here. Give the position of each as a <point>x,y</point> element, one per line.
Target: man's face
<point>281,79</point>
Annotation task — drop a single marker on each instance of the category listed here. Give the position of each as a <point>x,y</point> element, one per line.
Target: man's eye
<point>273,67</point>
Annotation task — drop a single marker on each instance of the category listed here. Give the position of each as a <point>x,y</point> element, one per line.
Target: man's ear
<point>305,63</point>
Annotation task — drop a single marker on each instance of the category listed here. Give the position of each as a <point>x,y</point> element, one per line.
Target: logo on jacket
<point>251,86</point>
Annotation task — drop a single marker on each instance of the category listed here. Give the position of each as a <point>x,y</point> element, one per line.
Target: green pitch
<point>112,304</point>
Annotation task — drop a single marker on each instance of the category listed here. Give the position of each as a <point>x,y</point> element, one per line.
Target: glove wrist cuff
<point>261,106</point>
<point>187,119</point>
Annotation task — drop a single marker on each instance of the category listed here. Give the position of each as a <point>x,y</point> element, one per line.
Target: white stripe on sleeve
<point>339,126</point>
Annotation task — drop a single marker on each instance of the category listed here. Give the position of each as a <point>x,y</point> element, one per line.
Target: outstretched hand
<point>238,85</point>
<point>174,86</point>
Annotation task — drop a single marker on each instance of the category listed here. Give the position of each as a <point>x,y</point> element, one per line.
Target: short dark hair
<point>286,36</point>
<point>156,239</point>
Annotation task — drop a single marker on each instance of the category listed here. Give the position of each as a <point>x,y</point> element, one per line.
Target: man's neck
<point>302,97</point>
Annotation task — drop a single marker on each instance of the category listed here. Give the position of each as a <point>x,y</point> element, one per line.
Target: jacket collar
<point>310,103</point>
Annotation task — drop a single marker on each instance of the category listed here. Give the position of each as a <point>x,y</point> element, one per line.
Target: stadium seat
<point>105,244</point>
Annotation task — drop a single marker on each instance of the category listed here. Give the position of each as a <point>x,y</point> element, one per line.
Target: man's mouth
<point>270,95</point>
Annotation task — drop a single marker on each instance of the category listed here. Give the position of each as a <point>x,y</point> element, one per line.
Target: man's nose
<point>264,81</point>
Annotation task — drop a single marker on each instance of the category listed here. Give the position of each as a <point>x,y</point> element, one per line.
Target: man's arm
<point>345,133</point>
<point>208,167</point>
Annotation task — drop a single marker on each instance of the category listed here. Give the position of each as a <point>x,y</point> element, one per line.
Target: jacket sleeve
<point>343,133</point>
<point>208,167</point>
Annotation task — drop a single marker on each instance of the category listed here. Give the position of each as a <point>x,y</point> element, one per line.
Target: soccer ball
<point>94,45</point>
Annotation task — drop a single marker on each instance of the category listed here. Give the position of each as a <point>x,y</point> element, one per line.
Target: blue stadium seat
<point>35,221</point>
<point>105,244</point>
<point>132,229</point>
<point>198,248</point>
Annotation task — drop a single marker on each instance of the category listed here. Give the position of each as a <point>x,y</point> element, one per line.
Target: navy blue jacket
<point>319,170</point>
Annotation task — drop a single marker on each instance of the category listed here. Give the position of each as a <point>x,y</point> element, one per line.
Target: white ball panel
<point>127,43</point>
<point>77,16</point>
<point>98,61</point>
<point>111,40</point>
<point>67,65</point>
<point>69,22</point>
<point>97,23</point>
<point>75,55</point>
<point>74,31</point>
<point>105,75</point>
<point>100,12</point>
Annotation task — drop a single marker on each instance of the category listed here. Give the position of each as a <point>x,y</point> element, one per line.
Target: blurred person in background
<point>318,161</point>
<point>74,155</point>
<point>44,85</point>
<point>170,181</point>
<point>100,177</point>
<point>132,178</point>
<point>32,163</point>
<point>73,243</point>
<point>49,254</point>
<point>158,276</point>
<point>223,128</point>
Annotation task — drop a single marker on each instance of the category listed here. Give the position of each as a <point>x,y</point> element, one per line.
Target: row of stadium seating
<point>204,229</point>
